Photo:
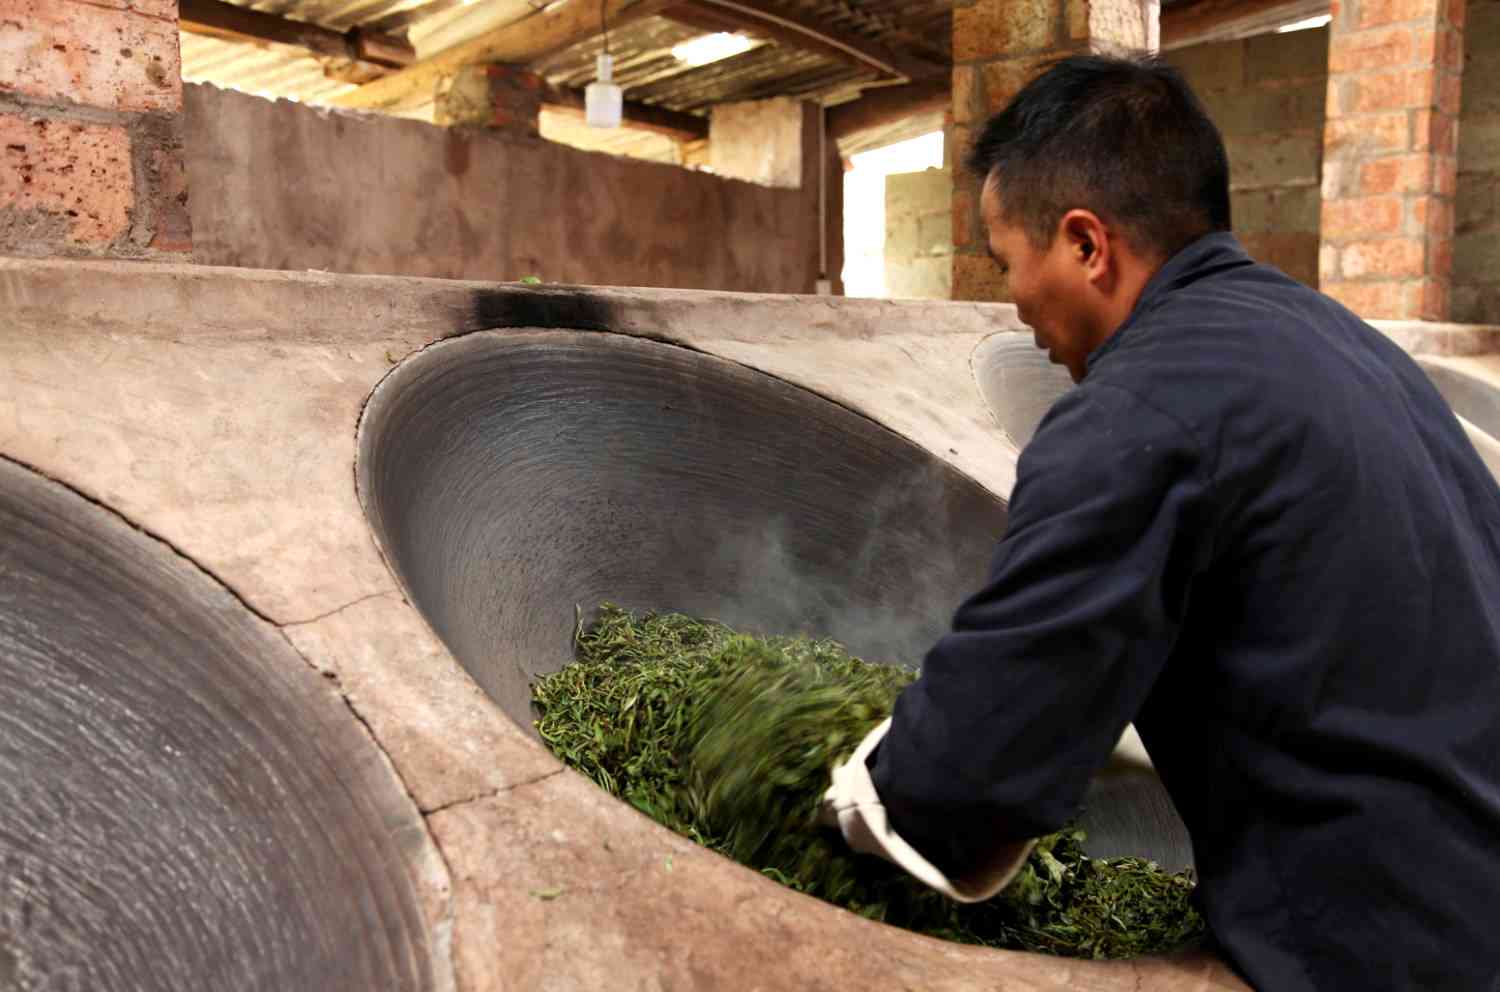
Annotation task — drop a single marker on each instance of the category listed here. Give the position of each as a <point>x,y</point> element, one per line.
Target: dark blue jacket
<point>1256,530</point>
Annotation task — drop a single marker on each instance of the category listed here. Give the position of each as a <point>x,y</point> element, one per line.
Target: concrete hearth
<point>217,410</point>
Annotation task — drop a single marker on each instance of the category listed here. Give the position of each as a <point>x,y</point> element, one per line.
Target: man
<point>1253,528</point>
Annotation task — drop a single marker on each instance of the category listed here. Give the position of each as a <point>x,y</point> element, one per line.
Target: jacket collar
<point>1209,254</point>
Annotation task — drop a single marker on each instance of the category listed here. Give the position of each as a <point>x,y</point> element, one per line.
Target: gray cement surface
<point>217,410</point>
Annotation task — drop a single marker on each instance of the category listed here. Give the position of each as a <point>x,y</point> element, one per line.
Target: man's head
<point>1097,172</point>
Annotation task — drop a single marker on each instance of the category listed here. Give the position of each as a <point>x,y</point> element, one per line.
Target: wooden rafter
<point>636,116</point>
<point>537,35</point>
<point>1224,20</point>
<point>886,104</point>
<point>229,22</point>
<point>798,30</point>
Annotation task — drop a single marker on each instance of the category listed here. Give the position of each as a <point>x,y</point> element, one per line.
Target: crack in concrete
<point>494,793</point>
<point>340,609</point>
<point>446,980</point>
<point>448,914</point>
<point>148,532</point>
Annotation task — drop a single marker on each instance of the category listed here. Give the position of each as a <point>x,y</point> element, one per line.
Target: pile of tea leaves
<point>728,739</point>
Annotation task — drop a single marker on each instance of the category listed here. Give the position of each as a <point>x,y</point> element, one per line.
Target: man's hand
<point>852,805</point>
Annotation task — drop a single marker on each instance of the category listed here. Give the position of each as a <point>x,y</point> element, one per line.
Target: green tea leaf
<point>729,740</point>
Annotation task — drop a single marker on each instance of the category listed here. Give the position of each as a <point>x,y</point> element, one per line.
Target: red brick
<point>91,55</point>
<point>1397,174</point>
<point>993,28</point>
<point>1361,217</point>
<point>1438,45</point>
<point>1450,93</point>
<point>1451,52</point>
<point>965,94</point>
<point>1432,218</point>
<point>1445,176</point>
<point>962,140</point>
<point>1328,264</point>
<point>1434,131</point>
<point>976,277</point>
<point>1371,300</point>
<point>1393,258</point>
<point>171,224</point>
<point>1004,79</point>
<point>63,183</point>
<point>151,8</point>
<point>1368,136</point>
<point>1381,48</point>
<point>1440,260</point>
<point>967,227</point>
<point>1376,12</point>
<point>1076,13</point>
<point>1406,88</point>
<point>1425,45</point>
<point>1428,299</point>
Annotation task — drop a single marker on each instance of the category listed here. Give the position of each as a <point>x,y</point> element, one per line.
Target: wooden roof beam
<point>228,22</point>
<point>1225,20</point>
<point>635,116</point>
<point>798,30</point>
<point>886,105</point>
<point>550,29</point>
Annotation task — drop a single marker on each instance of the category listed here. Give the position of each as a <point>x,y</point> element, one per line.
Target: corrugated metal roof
<point>272,70</point>
<point>644,65</point>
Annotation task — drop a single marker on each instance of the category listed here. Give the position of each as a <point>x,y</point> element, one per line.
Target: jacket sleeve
<point>1023,700</point>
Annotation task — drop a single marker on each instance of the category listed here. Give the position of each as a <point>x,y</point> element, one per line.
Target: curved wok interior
<point>1471,398</point>
<point>184,804</point>
<point>1018,382</point>
<point>514,477</point>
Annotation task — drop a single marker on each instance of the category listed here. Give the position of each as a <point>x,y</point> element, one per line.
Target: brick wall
<point>1476,248</point>
<point>90,145</point>
<point>1267,95</point>
<point>1390,156</point>
<point>919,235</point>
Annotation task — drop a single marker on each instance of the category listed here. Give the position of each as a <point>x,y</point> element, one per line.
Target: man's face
<point>1050,287</point>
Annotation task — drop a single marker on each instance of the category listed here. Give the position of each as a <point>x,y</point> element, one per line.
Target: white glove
<point>1130,754</point>
<point>852,804</point>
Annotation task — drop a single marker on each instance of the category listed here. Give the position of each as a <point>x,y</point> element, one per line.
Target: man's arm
<point>1023,701</point>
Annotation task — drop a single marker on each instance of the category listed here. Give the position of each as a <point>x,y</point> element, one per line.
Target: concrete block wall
<point>919,235</point>
<point>279,185</point>
<point>1267,95</point>
<point>1476,245</point>
<point>90,130</point>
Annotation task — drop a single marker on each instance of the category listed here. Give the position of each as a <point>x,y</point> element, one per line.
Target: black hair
<point>1124,137</point>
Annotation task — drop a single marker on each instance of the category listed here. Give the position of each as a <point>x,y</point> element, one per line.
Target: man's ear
<point>1088,243</point>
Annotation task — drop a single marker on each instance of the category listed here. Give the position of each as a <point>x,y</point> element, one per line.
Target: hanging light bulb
<point>603,101</point>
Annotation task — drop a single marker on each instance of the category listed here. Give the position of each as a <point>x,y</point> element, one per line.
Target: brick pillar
<point>997,45</point>
<point>91,130</point>
<point>1390,156</point>
<point>504,97</point>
